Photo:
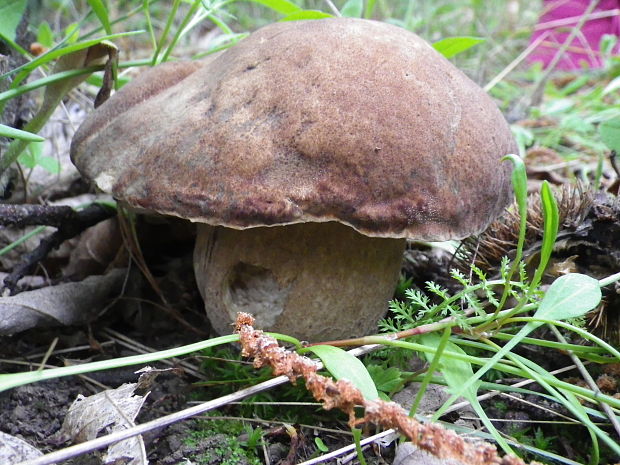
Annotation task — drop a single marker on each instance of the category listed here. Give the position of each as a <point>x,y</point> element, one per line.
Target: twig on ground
<point>343,395</point>
<point>69,222</point>
<point>31,215</point>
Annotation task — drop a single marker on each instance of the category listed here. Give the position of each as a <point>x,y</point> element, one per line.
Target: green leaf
<point>28,157</point>
<point>72,33</point>
<point>306,14</point>
<point>49,164</point>
<point>551,224</point>
<point>343,365</point>
<point>7,131</point>
<point>357,438</point>
<point>612,86</point>
<point>33,156</point>
<point>11,13</point>
<point>523,136</point>
<point>455,372</point>
<point>97,80</point>
<point>386,379</point>
<point>283,7</point>
<point>570,296</point>
<point>608,43</point>
<point>320,445</point>
<point>102,13</point>
<point>458,374</point>
<point>45,35</point>
<point>610,133</point>
<point>353,9</point>
<point>370,9</point>
<point>452,46</point>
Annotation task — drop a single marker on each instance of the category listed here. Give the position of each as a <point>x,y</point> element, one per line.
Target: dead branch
<point>341,394</point>
<point>69,222</point>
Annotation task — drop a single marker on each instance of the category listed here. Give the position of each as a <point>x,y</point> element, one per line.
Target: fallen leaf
<point>103,413</point>
<point>15,450</point>
<point>63,304</point>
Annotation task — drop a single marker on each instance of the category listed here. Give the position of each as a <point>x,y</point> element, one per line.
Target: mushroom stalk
<point>316,281</point>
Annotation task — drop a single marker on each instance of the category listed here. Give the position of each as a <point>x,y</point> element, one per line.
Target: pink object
<point>556,22</point>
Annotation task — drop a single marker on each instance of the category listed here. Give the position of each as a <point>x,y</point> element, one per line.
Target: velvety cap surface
<point>341,120</point>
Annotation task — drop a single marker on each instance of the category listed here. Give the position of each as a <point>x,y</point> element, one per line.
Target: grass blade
<point>7,131</point>
<point>101,12</point>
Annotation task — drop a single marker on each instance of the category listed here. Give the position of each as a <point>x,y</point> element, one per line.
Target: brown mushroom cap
<point>343,120</point>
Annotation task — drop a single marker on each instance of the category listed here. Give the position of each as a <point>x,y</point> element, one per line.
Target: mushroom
<point>307,154</point>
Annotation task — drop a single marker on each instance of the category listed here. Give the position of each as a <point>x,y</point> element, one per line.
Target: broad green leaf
<point>7,131</point>
<point>11,12</point>
<point>455,372</point>
<point>610,133</point>
<point>33,156</point>
<point>29,157</point>
<point>306,14</point>
<point>452,46</point>
<point>284,7</point>
<point>45,35</point>
<point>352,9</point>
<point>102,14</point>
<point>49,164</point>
<point>343,365</point>
<point>570,296</point>
<point>72,33</point>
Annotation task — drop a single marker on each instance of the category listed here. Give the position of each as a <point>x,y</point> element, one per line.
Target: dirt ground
<point>35,412</point>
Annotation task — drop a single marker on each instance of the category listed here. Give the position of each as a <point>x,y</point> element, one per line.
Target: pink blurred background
<point>559,17</point>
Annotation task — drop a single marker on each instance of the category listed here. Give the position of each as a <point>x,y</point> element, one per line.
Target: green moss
<point>223,446</point>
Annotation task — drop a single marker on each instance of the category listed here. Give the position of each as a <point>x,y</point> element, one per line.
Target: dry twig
<point>342,394</point>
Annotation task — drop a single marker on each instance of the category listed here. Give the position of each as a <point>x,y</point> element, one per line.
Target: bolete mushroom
<point>307,153</point>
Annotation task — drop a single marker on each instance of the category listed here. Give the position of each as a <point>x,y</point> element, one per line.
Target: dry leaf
<point>15,450</point>
<point>108,411</point>
<point>63,304</point>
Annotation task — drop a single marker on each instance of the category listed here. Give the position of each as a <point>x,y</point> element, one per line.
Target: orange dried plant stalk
<point>341,394</point>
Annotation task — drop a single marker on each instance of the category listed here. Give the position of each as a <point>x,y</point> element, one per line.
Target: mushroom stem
<point>315,281</point>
